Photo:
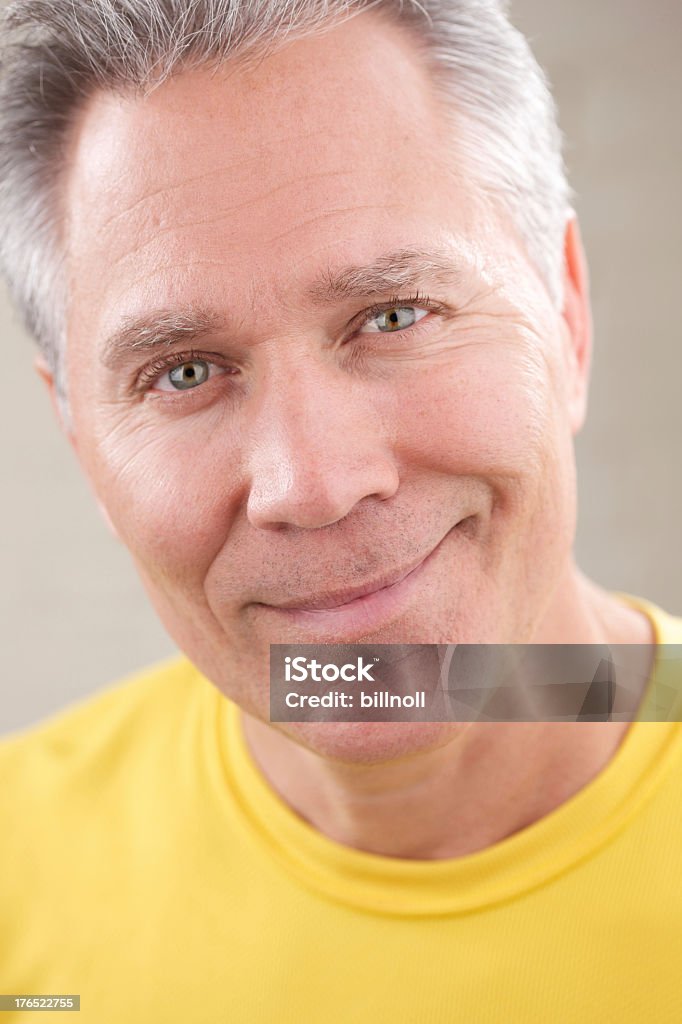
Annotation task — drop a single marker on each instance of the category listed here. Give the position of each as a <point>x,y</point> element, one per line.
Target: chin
<point>365,743</point>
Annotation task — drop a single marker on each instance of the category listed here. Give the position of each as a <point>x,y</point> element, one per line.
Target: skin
<point>321,455</point>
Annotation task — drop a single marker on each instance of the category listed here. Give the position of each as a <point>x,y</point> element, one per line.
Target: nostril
<point>317,492</point>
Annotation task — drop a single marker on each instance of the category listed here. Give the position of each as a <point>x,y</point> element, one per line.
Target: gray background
<point>73,615</point>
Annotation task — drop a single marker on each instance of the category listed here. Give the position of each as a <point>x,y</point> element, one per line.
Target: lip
<point>343,598</point>
<point>358,609</point>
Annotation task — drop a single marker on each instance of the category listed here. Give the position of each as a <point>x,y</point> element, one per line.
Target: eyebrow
<point>391,272</point>
<point>157,329</point>
<point>395,270</point>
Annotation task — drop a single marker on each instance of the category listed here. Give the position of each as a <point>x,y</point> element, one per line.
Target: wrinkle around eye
<point>125,446</point>
<point>134,443</point>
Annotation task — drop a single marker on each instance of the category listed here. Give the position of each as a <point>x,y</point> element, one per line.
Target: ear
<point>47,377</point>
<point>578,320</point>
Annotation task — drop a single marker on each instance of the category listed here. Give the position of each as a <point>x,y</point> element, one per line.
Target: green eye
<point>189,375</point>
<point>396,318</point>
<point>184,376</point>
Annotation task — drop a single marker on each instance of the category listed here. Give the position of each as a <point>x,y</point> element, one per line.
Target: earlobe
<point>107,519</point>
<point>578,319</point>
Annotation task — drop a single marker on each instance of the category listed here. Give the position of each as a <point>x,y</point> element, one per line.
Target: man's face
<point>274,435</point>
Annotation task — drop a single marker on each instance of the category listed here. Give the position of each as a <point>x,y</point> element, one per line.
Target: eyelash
<point>422,301</point>
<point>154,370</point>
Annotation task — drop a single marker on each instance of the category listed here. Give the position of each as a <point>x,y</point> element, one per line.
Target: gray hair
<point>55,53</point>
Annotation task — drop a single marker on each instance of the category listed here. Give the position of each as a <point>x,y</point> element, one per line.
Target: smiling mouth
<point>382,599</point>
<point>343,598</point>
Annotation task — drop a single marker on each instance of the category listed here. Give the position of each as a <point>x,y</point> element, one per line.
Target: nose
<point>317,450</point>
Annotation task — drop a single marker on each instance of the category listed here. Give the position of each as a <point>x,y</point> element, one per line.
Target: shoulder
<point>88,799</point>
<point>88,743</point>
<point>667,627</point>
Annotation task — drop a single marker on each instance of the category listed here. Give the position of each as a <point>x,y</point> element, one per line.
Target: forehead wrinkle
<point>337,209</point>
<point>168,269</point>
<point>222,213</point>
<point>193,180</point>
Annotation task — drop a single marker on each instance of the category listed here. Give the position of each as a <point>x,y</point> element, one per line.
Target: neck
<point>482,784</point>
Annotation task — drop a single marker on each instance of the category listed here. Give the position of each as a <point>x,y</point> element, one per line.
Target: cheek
<point>487,413</point>
<point>170,491</point>
<point>495,417</point>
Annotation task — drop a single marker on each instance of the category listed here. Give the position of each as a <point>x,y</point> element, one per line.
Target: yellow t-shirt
<point>146,865</point>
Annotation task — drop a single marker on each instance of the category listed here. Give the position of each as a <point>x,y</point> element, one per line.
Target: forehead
<point>331,149</point>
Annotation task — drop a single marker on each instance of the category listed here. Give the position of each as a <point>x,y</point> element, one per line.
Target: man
<point>313,311</point>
